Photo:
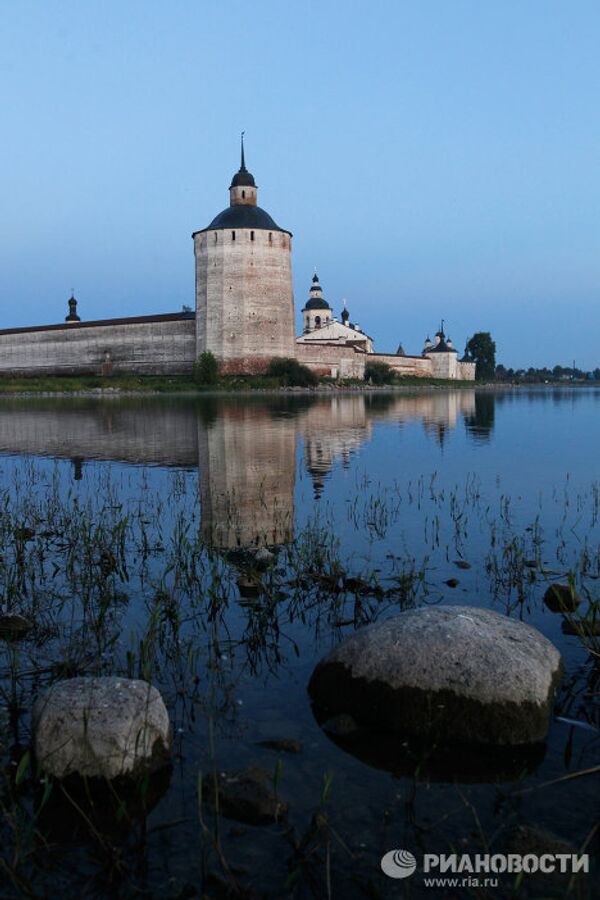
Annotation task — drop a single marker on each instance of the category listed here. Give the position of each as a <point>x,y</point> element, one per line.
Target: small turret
<point>72,317</point>
<point>242,190</point>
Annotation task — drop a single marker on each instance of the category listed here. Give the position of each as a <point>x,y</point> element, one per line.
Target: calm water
<point>391,489</point>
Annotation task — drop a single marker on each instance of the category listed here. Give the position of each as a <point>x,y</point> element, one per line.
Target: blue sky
<point>432,158</point>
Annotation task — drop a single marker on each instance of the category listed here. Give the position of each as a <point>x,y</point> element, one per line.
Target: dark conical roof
<point>442,347</point>
<point>243,178</point>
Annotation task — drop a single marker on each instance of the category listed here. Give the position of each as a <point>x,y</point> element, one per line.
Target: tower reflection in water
<point>245,448</point>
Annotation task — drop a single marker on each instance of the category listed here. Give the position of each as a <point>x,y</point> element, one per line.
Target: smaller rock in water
<point>561,598</point>
<point>246,796</point>
<point>462,564</point>
<point>453,582</point>
<point>14,626</point>
<point>104,727</point>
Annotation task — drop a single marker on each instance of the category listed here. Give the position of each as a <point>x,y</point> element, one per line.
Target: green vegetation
<point>292,373</point>
<point>379,373</point>
<point>556,375</point>
<point>206,369</point>
<point>185,384</point>
<point>483,351</point>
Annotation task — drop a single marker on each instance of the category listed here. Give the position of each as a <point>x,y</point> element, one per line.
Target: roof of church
<point>317,303</point>
<point>442,347</point>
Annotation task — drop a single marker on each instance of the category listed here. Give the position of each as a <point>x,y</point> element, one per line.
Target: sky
<point>433,158</point>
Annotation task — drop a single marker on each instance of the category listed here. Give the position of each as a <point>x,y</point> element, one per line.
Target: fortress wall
<point>331,360</point>
<point>416,366</point>
<point>466,371</point>
<point>244,297</point>
<point>147,345</point>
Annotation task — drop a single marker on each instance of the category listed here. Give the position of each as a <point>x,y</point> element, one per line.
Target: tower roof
<point>243,178</point>
<point>244,217</point>
<point>243,214</point>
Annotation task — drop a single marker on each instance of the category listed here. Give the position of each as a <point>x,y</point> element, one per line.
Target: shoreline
<point>322,390</point>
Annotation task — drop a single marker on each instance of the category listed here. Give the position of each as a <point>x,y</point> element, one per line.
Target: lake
<point>128,527</point>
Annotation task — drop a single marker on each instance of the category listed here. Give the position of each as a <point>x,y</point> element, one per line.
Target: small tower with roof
<point>244,295</point>
<point>316,312</point>
<point>72,317</point>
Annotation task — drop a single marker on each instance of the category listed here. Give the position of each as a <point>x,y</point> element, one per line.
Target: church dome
<point>317,303</point>
<point>241,216</point>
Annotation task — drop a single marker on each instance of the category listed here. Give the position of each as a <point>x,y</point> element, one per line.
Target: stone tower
<point>244,295</point>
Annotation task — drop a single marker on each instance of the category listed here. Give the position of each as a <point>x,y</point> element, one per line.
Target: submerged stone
<point>460,673</point>
<point>561,598</point>
<point>103,727</point>
<point>245,795</point>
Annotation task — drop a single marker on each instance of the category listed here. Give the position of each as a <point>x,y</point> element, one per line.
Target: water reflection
<point>244,447</point>
<point>481,423</point>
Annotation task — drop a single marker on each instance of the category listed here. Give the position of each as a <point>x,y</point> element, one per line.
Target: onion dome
<point>72,317</point>
<point>316,299</point>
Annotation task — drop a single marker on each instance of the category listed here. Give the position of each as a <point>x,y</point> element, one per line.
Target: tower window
<point>243,195</point>
<point>317,321</point>
<point>233,235</point>
<point>251,235</point>
<point>270,237</point>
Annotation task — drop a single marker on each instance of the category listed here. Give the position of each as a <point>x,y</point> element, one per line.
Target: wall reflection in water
<point>245,448</point>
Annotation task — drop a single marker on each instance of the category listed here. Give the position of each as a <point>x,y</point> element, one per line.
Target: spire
<point>242,177</point>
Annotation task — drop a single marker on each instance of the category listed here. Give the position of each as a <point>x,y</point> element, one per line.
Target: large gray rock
<point>105,727</point>
<point>459,673</point>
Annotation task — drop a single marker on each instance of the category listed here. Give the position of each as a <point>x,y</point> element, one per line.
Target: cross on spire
<point>243,165</point>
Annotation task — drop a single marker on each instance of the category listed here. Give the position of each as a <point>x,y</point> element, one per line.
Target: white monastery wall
<point>144,345</point>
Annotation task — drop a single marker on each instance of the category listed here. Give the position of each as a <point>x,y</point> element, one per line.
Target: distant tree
<point>596,374</point>
<point>501,372</point>
<point>206,369</point>
<point>483,350</point>
<point>379,373</point>
<point>291,372</point>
